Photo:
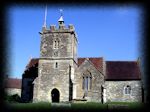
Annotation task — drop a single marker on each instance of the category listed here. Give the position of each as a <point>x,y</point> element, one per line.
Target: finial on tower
<point>61,20</point>
<point>44,25</point>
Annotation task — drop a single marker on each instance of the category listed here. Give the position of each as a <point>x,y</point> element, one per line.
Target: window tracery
<point>127,90</point>
<point>87,81</point>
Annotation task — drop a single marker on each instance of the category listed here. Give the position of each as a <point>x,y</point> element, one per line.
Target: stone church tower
<point>58,75</point>
<point>58,59</point>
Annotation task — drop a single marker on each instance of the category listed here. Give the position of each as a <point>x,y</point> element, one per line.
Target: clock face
<point>55,53</point>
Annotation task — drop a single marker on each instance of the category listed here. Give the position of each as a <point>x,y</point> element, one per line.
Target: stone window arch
<point>56,65</point>
<point>86,81</point>
<point>56,43</point>
<point>127,90</point>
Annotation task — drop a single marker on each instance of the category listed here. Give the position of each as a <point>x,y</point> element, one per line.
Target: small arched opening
<point>127,90</point>
<point>55,95</point>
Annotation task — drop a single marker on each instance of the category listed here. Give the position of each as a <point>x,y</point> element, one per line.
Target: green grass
<point>131,105</point>
<point>42,105</point>
<point>74,106</point>
<point>29,106</point>
<point>88,106</point>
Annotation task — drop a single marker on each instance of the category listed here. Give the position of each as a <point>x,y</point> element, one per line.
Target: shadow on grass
<point>29,106</point>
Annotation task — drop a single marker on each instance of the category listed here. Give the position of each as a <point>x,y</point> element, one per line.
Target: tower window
<point>56,65</point>
<point>56,43</point>
<point>83,83</point>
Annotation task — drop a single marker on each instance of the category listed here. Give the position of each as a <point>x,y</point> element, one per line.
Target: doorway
<point>55,95</point>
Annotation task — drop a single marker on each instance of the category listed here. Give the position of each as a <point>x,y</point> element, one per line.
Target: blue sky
<point>112,32</point>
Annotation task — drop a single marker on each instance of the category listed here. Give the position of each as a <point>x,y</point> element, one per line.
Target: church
<point>58,75</point>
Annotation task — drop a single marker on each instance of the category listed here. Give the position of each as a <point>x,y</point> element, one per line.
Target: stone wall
<point>58,51</point>
<point>58,64</point>
<point>50,78</point>
<point>12,91</point>
<point>115,91</point>
<point>67,44</point>
<point>95,93</point>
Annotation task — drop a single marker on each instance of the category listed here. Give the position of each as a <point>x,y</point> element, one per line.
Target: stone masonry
<point>58,54</point>
<point>61,76</point>
<point>115,91</point>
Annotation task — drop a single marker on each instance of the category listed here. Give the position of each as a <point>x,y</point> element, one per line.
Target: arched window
<point>83,83</point>
<point>87,81</point>
<point>56,43</point>
<point>90,82</point>
<point>127,90</point>
<point>56,65</point>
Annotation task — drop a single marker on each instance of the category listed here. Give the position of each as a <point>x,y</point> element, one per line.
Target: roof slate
<point>13,83</point>
<point>122,70</point>
<point>98,62</point>
<point>32,62</point>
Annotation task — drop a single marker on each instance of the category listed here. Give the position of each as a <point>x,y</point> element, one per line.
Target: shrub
<point>13,98</point>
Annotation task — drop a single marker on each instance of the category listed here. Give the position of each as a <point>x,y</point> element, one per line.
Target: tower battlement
<point>60,28</point>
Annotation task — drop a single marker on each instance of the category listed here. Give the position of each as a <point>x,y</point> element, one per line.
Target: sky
<point>111,32</point>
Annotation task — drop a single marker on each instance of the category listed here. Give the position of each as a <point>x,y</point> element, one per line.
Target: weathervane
<point>61,12</point>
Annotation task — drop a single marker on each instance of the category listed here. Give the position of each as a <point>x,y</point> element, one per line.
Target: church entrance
<point>55,95</point>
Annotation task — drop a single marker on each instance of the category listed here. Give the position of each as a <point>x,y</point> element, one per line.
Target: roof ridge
<point>12,78</point>
<point>121,61</point>
<point>90,57</point>
<point>34,58</point>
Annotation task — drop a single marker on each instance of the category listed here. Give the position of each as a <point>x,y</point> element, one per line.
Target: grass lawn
<point>74,106</point>
<point>30,106</point>
<point>49,106</point>
<point>130,105</point>
<point>88,106</point>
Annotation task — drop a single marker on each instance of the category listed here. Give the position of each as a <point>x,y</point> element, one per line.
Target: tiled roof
<point>32,63</point>
<point>13,83</point>
<point>98,62</point>
<point>122,70</point>
<point>115,70</point>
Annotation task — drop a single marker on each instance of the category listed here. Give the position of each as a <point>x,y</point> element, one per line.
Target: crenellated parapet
<point>60,28</point>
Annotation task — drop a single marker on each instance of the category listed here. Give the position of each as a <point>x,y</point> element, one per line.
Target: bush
<point>13,98</point>
<point>30,106</point>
